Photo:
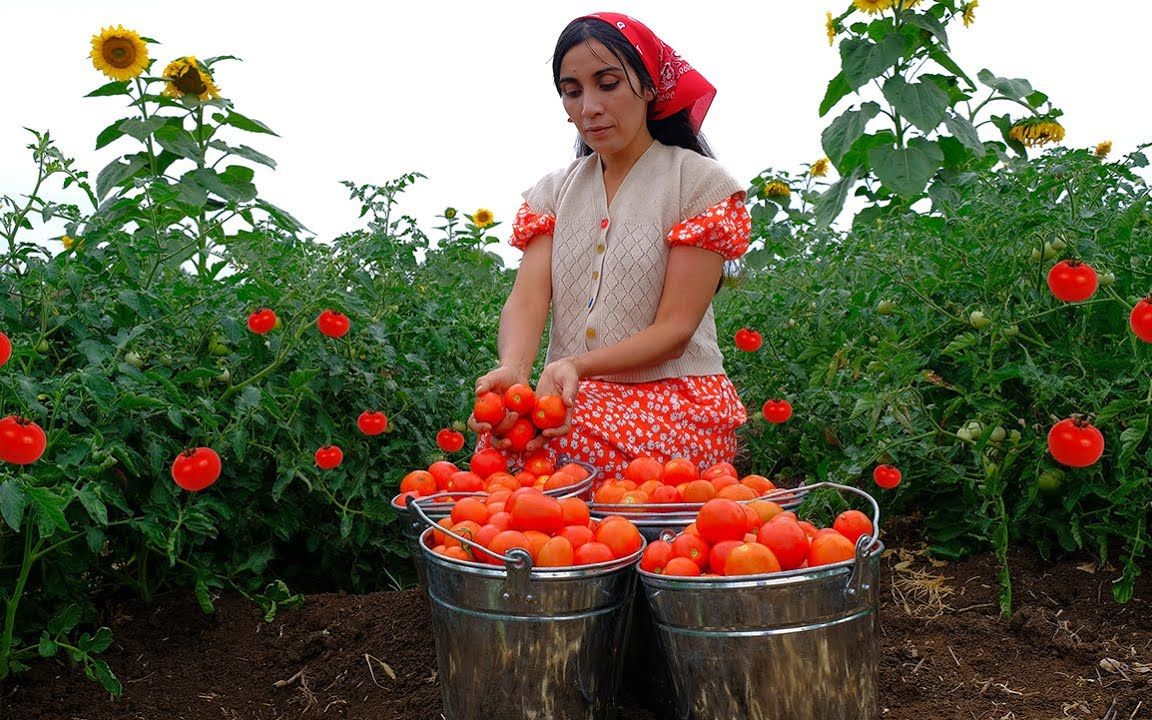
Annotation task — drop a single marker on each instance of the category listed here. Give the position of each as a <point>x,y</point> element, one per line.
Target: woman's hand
<point>497,381</point>
<point>559,378</point>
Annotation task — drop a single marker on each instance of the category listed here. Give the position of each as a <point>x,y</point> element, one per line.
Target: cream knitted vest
<point>608,261</point>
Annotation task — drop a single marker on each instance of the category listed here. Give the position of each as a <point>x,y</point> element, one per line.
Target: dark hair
<point>673,130</point>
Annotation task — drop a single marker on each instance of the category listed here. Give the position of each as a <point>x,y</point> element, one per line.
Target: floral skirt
<point>613,423</point>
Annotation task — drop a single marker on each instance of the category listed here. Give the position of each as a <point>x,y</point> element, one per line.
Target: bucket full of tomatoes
<point>745,606</point>
<point>440,487</point>
<point>526,626</point>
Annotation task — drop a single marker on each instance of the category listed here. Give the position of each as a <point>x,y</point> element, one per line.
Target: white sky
<point>461,91</point>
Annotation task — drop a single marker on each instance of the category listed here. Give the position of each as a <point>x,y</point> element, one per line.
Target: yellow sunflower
<point>1102,149</point>
<point>1037,131</point>
<point>69,242</point>
<point>777,188</point>
<point>819,168</point>
<point>909,4</point>
<point>186,76</point>
<point>830,28</point>
<point>118,53</point>
<point>482,218</point>
<point>872,6</point>
<point>970,13</point>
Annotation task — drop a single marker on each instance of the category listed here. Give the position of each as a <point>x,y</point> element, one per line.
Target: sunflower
<point>118,53</point>
<point>1102,149</point>
<point>449,213</point>
<point>69,242</point>
<point>872,6</point>
<point>909,4</point>
<point>819,168</point>
<point>776,188</point>
<point>1037,131</point>
<point>482,218</point>
<point>186,76</point>
<point>970,13</point>
<point>830,28</point>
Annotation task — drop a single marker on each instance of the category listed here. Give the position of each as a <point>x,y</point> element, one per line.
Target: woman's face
<point>598,97</point>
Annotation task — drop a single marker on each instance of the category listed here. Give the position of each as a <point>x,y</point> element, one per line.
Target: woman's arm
<point>526,310</point>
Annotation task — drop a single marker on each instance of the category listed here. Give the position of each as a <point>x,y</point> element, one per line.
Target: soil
<point>1067,652</point>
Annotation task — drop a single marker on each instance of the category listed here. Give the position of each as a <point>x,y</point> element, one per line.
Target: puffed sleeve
<point>723,228</point>
<point>537,216</point>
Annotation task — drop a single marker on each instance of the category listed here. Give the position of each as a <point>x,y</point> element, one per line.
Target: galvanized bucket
<point>799,645</point>
<point>413,527</point>
<point>517,643</point>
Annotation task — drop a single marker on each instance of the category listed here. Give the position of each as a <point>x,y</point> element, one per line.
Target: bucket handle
<point>866,545</point>
<point>518,562</point>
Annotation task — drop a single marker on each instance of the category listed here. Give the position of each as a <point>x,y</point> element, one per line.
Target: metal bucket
<point>413,527</point>
<point>799,645</point>
<point>517,643</point>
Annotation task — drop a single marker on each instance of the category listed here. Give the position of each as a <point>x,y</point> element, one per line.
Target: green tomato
<point>978,319</point>
<point>1050,251</point>
<point>224,376</point>
<point>1058,244</point>
<point>1034,256</point>
<point>998,434</point>
<point>1012,331</point>
<point>885,307</point>
<point>1050,481</point>
<point>1106,279</point>
<point>964,433</point>
<point>217,348</point>
<point>133,358</point>
<point>42,347</point>
<point>1014,436</point>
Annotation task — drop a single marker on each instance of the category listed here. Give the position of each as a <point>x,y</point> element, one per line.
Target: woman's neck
<point>619,163</point>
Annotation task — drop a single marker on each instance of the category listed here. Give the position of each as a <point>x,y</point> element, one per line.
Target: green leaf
<point>96,508</point>
<point>101,640</point>
<point>929,23</point>
<point>857,157</point>
<point>922,103</point>
<point>204,595</point>
<point>864,60</point>
<point>245,152</point>
<point>906,171</point>
<point>117,172</point>
<point>831,201</point>
<point>48,646</point>
<point>1036,99</point>
<point>101,389</point>
<point>178,141</point>
<point>12,503</point>
<point>218,185</point>
<point>837,90</point>
<point>1013,88</point>
<point>1130,439</point>
<point>949,84</point>
<point>965,132</point>
<point>108,134</point>
<point>237,120</point>
<point>839,136</point>
<point>945,60</point>
<point>64,620</point>
<point>116,87</point>
<point>104,675</point>
<point>141,129</point>
<point>48,508</point>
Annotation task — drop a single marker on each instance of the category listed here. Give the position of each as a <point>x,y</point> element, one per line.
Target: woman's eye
<point>609,86</point>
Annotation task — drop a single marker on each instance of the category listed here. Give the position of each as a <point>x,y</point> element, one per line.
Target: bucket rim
<point>572,572</point>
<point>575,490</point>
<point>790,497</point>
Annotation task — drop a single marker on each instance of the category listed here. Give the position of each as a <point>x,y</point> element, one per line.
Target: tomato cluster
<point>647,480</point>
<point>488,472</point>
<point>554,532</point>
<point>532,414</point>
<point>730,538</point>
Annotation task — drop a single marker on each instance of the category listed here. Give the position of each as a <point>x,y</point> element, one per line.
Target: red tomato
<point>195,468</point>
<point>777,411</point>
<point>465,481</point>
<point>489,408</point>
<point>830,548</point>
<point>1075,442</point>
<point>787,541</point>
<point>720,469</point>
<point>748,340</point>
<point>886,476</point>
<point>750,559</point>
<point>441,470</point>
<point>505,541</point>
<point>520,434</point>
<point>852,524</point>
<point>420,482</point>
<point>450,440</point>
<point>470,508</point>
<point>575,511</point>
<point>681,567</point>
<point>721,519</point>
<point>644,469</point>
<point>693,547</point>
<point>577,535</point>
<point>656,556</point>
<point>591,553</point>
<point>262,321</point>
<point>332,323</point>
<point>719,555</point>
<point>556,552</point>
<point>621,537</point>
<point>488,461</point>
<point>520,399</point>
<point>550,412</point>
<point>1072,280</point>
<point>1140,319</point>
<point>329,457</point>
<point>536,511</point>
<point>372,422</point>
<point>22,441</point>
<point>538,463</point>
<point>5,348</point>
<point>666,494</point>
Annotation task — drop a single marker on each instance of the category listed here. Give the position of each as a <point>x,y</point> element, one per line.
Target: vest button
<point>590,333</point>
<point>600,248</point>
<point>604,224</point>
<point>595,274</point>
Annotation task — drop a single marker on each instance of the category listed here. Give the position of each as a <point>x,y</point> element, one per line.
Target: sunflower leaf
<point>864,60</point>
<point>116,87</point>
<point>243,122</point>
<point>179,141</point>
<point>1011,88</point>
<point>838,137</point>
<point>922,103</point>
<point>965,132</point>
<point>907,170</point>
<point>245,152</point>
<point>837,89</point>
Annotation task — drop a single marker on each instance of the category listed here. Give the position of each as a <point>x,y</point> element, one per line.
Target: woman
<point>626,248</point>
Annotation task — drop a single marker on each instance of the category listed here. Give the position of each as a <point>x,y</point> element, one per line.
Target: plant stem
<point>14,600</point>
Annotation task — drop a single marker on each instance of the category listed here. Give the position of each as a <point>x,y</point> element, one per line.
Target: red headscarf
<point>678,86</point>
